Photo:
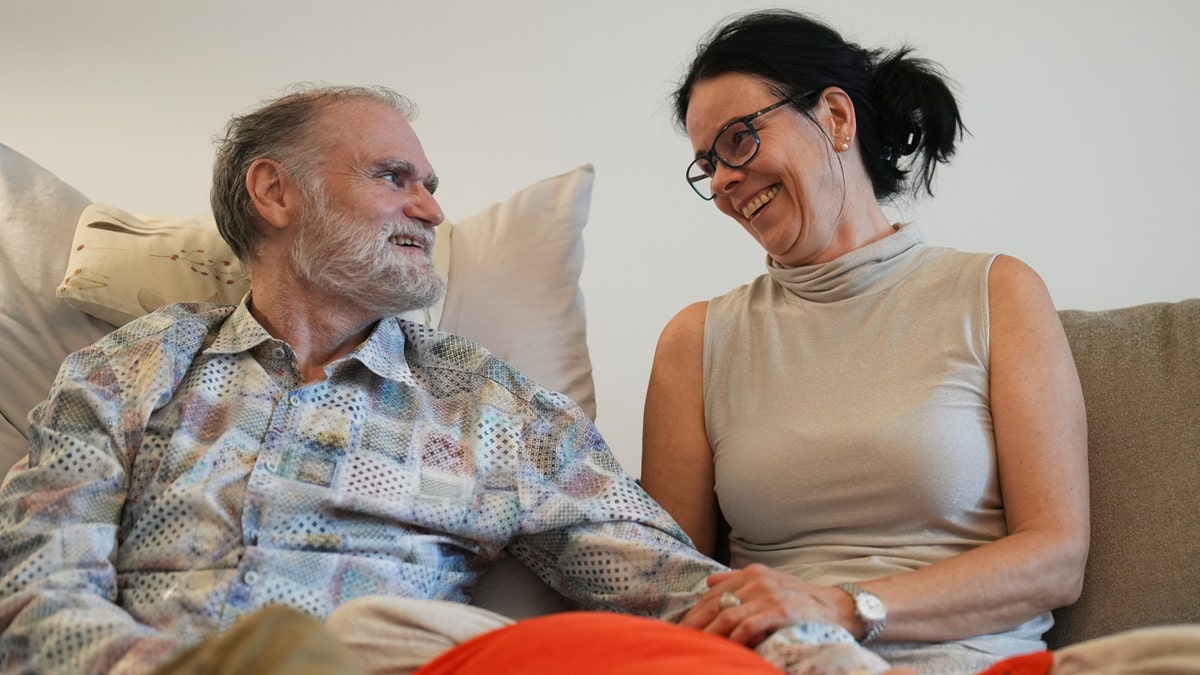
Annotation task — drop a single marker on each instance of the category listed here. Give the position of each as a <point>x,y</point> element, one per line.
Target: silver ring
<point>728,600</point>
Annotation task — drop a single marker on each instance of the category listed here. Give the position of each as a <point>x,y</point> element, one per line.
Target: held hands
<point>769,600</point>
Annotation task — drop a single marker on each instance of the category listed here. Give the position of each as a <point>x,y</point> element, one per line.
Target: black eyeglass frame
<point>712,153</point>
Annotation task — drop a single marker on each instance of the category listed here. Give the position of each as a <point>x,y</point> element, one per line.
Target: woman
<point>873,411</point>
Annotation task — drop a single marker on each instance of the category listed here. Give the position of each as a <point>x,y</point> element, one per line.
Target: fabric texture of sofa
<point>1140,371</point>
<point>1139,366</point>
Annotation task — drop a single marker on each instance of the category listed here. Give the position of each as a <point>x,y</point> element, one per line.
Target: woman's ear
<point>269,187</point>
<point>841,124</point>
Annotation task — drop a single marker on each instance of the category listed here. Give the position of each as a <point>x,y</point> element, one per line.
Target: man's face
<point>366,234</point>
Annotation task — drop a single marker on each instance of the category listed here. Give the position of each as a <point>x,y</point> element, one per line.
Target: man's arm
<point>60,510</point>
<point>591,532</point>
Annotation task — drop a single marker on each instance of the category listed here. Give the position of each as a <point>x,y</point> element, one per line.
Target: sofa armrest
<point>1140,371</point>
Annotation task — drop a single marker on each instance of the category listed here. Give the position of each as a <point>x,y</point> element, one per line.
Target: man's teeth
<point>753,207</point>
<point>407,241</point>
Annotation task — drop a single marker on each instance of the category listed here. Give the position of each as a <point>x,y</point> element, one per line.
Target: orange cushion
<point>598,643</point>
<point>1035,663</point>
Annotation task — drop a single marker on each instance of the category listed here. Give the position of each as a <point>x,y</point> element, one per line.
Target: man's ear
<point>270,189</point>
<point>841,124</point>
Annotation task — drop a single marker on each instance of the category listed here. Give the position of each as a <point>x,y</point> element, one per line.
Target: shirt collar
<point>382,351</point>
<point>241,332</point>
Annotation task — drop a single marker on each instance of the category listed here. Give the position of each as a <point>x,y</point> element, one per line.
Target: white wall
<point>1082,160</point>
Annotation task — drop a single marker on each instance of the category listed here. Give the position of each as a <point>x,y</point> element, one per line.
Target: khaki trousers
<point>276,640</point>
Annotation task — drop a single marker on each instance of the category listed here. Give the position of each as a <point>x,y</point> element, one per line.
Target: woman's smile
<point>752,207</point>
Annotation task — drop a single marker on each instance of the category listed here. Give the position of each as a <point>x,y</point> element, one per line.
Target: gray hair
<point>283,129</point>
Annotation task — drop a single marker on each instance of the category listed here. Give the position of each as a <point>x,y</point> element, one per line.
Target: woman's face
<point>789,197</point>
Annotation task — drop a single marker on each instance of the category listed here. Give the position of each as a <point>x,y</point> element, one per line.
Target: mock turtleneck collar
<point>863,271</point>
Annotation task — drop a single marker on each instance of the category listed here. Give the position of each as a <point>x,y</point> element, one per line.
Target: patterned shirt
<point>182,474</point>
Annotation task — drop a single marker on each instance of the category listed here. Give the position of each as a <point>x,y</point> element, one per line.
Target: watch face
<point>870,607</point>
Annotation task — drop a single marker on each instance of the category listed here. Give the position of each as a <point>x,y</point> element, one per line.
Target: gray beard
<point>333,251</point>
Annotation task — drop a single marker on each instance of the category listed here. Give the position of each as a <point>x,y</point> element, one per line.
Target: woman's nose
<point>724,179</point>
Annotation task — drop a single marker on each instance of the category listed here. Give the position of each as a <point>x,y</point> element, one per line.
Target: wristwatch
<point>869,609</point>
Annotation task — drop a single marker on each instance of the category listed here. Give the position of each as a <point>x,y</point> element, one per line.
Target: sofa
<point>71,270</point>
<point>1140,371</point>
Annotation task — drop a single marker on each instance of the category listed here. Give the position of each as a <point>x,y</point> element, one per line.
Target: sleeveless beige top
<point>847,408</point>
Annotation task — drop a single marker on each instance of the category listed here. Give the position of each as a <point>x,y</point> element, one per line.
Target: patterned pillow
<point>122,266</point>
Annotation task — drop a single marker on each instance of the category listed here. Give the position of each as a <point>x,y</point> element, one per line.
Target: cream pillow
<point>514,283</point>
<point>37,217</point>
<point>512,275</point>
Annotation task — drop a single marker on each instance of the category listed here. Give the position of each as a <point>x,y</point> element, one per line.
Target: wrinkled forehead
<point>369,132</point>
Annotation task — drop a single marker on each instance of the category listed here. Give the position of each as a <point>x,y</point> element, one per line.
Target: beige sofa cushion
<point>37,216</point>
<point>1140,370</point>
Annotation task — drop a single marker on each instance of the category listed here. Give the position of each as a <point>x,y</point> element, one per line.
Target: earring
<point>846,144</point>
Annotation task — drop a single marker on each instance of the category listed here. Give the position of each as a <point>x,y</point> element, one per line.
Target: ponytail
<point>915,115</point>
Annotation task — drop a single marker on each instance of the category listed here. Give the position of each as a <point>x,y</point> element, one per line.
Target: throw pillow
<point>37,218</point>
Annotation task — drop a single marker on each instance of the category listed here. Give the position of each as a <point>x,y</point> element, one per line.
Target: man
<point>306,447</point>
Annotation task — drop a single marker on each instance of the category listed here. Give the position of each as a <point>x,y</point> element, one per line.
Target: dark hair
<point>283,130</point>
<point>902,104</point>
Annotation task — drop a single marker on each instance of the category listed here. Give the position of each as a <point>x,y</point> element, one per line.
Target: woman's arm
<point>1041,447</point>
<point>677,463</point>
<point>1041,455</point>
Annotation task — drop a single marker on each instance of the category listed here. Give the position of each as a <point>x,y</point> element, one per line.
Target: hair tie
<point>893,151</point>
<point>911,143</point>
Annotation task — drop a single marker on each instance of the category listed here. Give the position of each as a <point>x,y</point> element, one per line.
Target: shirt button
<point>278,352</point>
<point>295,400</point>
<point>250,578</point>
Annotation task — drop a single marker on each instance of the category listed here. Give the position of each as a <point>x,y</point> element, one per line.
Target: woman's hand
<point>770,600</point>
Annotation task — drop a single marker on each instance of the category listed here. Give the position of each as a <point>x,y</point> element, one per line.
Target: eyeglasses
<point>736,144</point>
